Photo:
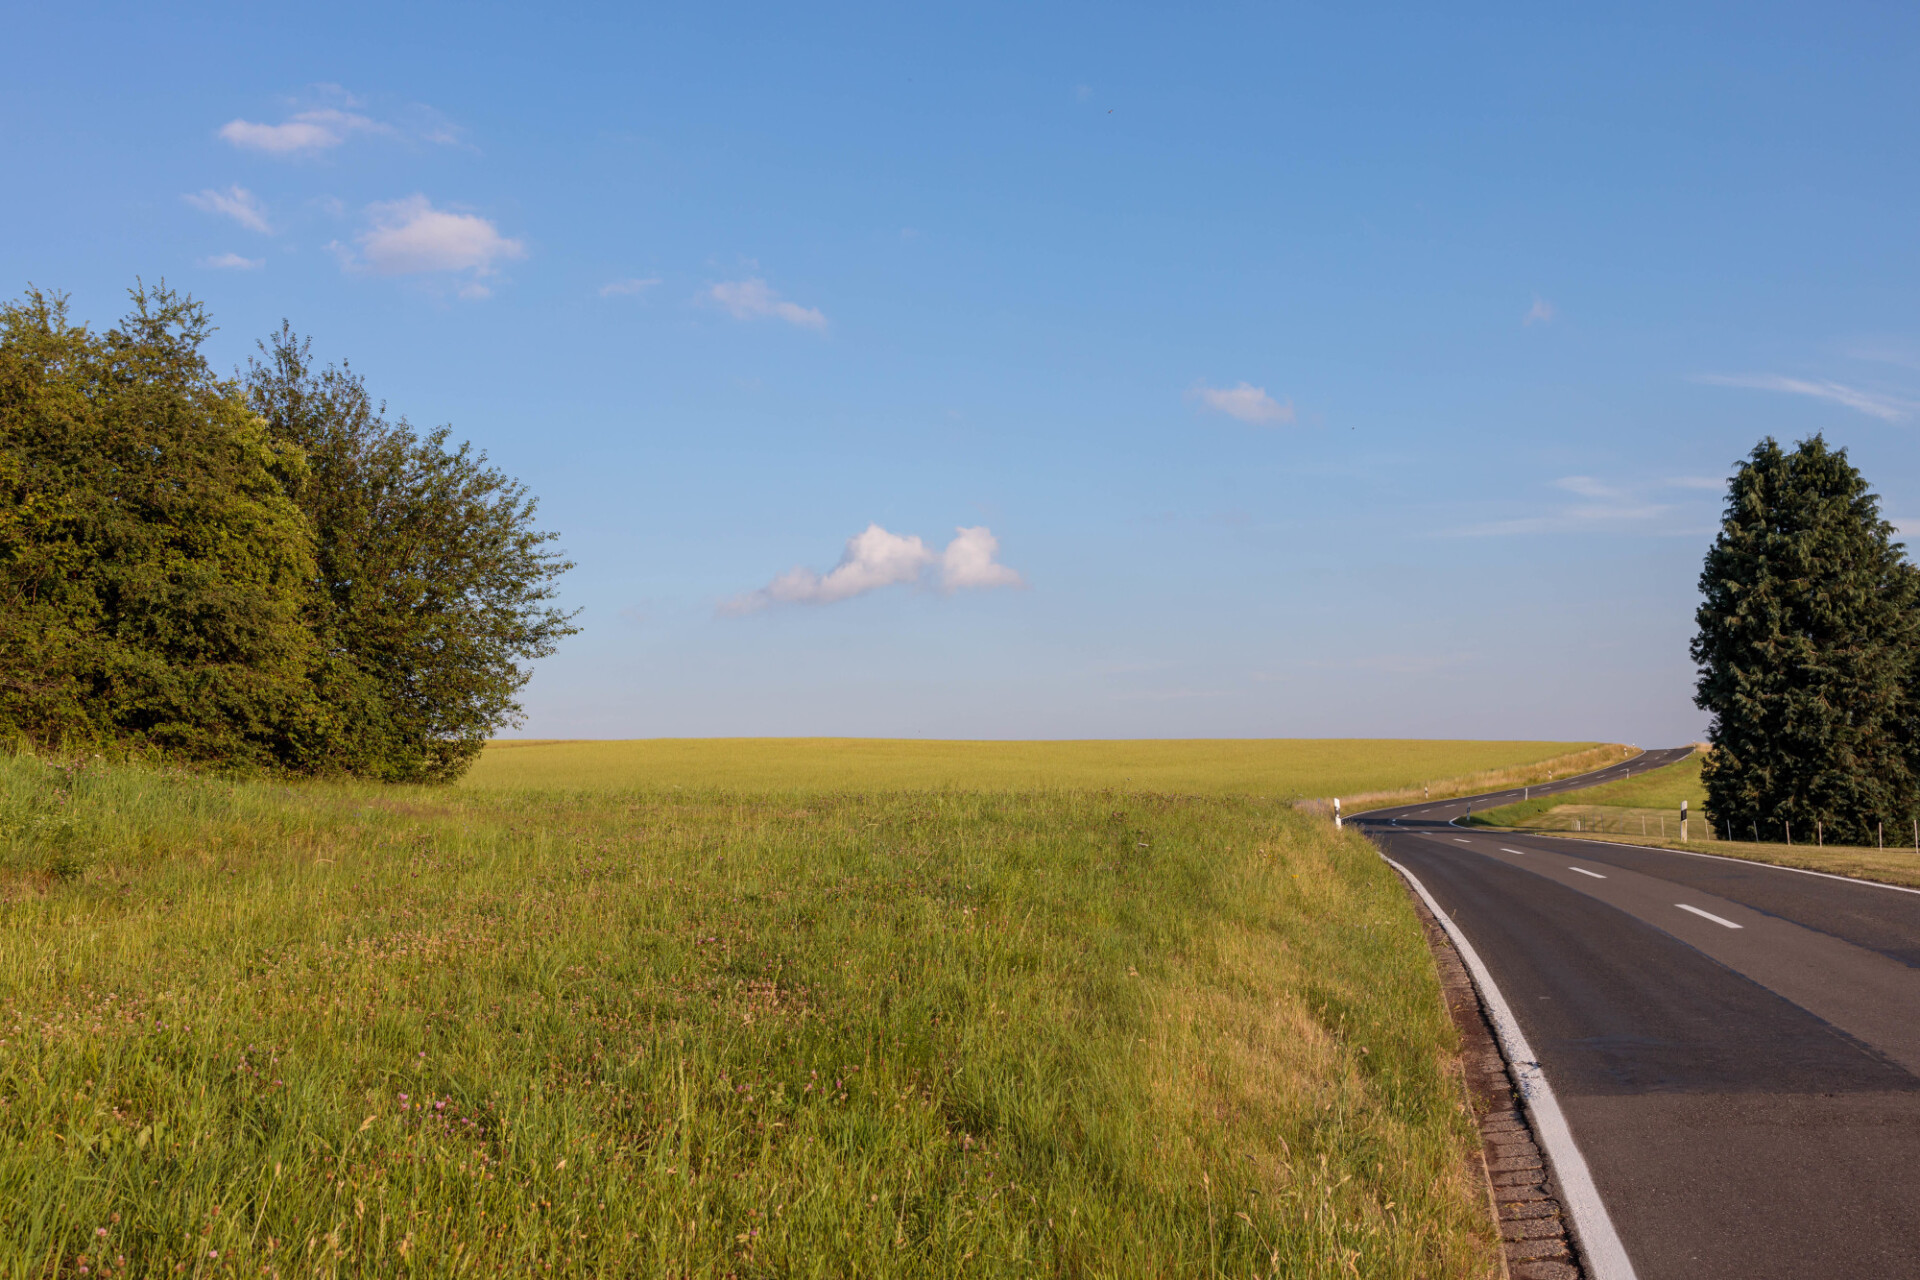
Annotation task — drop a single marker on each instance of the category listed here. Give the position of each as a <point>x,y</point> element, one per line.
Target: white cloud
<point>1245,402</point>
<point>233,262</point>
<point>235,202</point>
<point>751,299</point>
<point>1886,408</point>
<point>306,132</point>
<point>411,237</point>
<point>627,288</point>
<point>876,558</point>
<point>969,561</point>
<point>1541,312</point>
<point>1906,528</point>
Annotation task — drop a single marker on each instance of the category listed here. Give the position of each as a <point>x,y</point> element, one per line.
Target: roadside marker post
<point>1336,813</point>
<point>1683,822</point>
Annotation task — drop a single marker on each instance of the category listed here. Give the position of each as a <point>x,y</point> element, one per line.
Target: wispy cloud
<point>1398,664</point>
<point>233,262</point>
<point>235,202</point>
<point>334,118</point>
<point>1245,402</point>
<point>1605,507</point>
<point>411,237</point>
<point>1904,352</point>
<point>876,558</point>
<point>1886,408</point>
<point>627,288</point>
<point>1541,312</point>
<point>304,133</point>
<point>752,299</point>
<point>1906,528</point>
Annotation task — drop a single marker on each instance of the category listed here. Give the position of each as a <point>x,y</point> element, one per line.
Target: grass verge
<point>1584,760</point>
<point>1628,813</point>
<point>1891,866</point>
<point>256,1028</point>
<point>1614,806</point>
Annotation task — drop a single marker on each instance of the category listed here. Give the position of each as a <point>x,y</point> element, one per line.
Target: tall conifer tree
<point>1808,646</point>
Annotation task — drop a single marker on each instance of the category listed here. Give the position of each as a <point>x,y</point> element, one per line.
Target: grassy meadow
<point>258,1028</point>
<point>1274,768</point>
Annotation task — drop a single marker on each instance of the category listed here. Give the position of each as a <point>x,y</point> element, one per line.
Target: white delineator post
<point>1336,813</point>
<point>1683,822</point>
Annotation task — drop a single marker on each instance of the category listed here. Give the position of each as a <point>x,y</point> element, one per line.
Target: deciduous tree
<point>434,589</point>
<point>152,567</point>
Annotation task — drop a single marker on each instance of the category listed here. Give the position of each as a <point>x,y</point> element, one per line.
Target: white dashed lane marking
<point>1708,915</point>
<point>1583,871</point>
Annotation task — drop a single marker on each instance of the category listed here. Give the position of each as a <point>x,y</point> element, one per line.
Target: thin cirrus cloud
<point>1884,407</point>
<point>628,288</point>
<point>876,558</point>
<point>1541,312</point>
<point>233,262</point>
<point>411,237</point>
<point>1603,507</point>
<point>1246,402</point>
<point>752,299</point>
<point>235,202</point>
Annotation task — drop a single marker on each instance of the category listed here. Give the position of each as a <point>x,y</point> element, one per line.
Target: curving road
<point>1736,1047</point>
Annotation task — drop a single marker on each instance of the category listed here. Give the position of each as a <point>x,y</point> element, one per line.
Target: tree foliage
<point>265,573</point>
<point>433,588</point>
<point>1809,632</point>
<point>151,563</point>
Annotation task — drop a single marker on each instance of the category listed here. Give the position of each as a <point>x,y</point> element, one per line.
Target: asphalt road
<point>1748,1098</point>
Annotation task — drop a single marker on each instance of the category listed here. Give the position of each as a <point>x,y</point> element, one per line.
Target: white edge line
<point>1745,862</point>
<point>1605,1256</point>
<point>1709,915</point>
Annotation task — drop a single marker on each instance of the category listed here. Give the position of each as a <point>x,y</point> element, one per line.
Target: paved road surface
<point>1748,1098</point>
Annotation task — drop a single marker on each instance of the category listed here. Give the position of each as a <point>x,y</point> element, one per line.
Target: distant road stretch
<point>1736,1047</point>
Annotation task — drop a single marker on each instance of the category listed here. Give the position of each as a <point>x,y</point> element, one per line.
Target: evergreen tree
<point>152,568</point>
<point>1807,647</point>
<point>433,589</point>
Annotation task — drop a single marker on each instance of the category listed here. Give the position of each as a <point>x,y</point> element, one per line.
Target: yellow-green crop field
<point>1277,768</point>
<point>660,1027</point>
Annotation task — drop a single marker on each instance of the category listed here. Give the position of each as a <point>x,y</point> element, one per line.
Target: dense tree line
<point>263,571</point>
<point>1809,655</point>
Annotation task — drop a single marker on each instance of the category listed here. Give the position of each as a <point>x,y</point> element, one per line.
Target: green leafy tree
<point>434,589</point>
<point>1807,644</point>
<point>152,568</point>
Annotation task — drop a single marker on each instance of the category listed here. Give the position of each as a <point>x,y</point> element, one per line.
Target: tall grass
<point>251,1028</point>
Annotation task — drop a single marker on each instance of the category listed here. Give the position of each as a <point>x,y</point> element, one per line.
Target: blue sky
<point>1212,371</point>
